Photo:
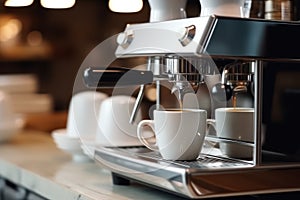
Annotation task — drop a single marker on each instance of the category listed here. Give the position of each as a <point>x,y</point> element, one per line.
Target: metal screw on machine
<point>187,33</point>
<point>124,39</point>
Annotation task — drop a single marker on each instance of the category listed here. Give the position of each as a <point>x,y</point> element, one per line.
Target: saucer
<point>60,136</point>
<point>70,145</point>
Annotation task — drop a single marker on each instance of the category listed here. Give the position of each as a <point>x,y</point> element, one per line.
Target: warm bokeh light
<point>58,4</point>
<point>18,3</point>
<point>125,6</point>
<point>34,38</point>
<point>10,30</point>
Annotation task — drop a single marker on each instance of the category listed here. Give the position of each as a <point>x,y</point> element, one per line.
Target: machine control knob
<point>124,39</point>
<point>187,34</point>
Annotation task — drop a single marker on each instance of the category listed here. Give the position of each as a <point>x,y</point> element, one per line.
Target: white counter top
<point>32,160</point>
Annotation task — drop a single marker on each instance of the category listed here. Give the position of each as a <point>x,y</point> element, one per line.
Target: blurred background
<point>47,46</point>
<point>42,49</point>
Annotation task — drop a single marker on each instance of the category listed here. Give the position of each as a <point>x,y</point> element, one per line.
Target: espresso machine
<point>257,57</point>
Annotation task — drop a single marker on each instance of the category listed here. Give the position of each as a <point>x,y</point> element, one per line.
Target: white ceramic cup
<point>179,134</point>
<point>175,8</point>
<point>114,128</point>
<point>83,114</point>
<point>233,8</point>
<point>236,124</point>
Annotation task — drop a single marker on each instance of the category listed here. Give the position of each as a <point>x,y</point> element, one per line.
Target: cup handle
<point>141,137</point>
<point>211,122</point>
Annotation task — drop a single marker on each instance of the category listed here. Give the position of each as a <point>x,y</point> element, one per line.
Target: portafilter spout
<point>236,78</point>
<point>184,74</point>
<point>160,10</point>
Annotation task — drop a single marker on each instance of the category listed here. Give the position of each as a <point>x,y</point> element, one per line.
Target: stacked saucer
<point>69,144</point>
<point>10,122</point>
<point>25,97</point>
<point>9,129</point>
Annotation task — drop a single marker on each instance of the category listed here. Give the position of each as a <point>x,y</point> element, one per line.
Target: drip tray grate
<point>204,161</point>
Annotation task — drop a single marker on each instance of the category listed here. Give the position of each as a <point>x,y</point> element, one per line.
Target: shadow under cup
<point>236,124</point>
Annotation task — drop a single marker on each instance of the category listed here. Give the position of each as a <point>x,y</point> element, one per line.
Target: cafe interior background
<point>49,45</point>
<point>52,43</point>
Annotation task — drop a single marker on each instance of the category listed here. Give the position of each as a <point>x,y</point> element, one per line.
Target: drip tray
<point>208,176</point>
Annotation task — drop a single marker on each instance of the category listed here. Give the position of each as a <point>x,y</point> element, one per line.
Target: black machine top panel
<point>244,37</point>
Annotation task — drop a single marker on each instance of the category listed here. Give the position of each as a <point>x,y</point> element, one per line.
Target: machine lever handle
<point>97,77</point>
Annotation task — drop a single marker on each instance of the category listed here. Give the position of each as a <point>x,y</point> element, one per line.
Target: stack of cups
<point>81,125</point>
<point>278,10</point>
<point>114,128</point>
<point>83,114</point>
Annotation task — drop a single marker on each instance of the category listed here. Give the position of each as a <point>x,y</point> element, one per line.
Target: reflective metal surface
<point>272,79</point>
<point>208,176</point>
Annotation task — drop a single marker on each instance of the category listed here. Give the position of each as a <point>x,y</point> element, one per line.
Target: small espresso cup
<point>179,134</point>
<point>236,124</point>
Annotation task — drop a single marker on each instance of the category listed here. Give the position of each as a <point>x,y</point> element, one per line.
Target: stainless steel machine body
<point>272,49</point>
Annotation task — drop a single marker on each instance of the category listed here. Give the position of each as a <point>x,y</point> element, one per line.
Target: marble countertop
<point>32,160</point>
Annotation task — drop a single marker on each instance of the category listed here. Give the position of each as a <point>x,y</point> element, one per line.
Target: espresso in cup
<point>179,134</point>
